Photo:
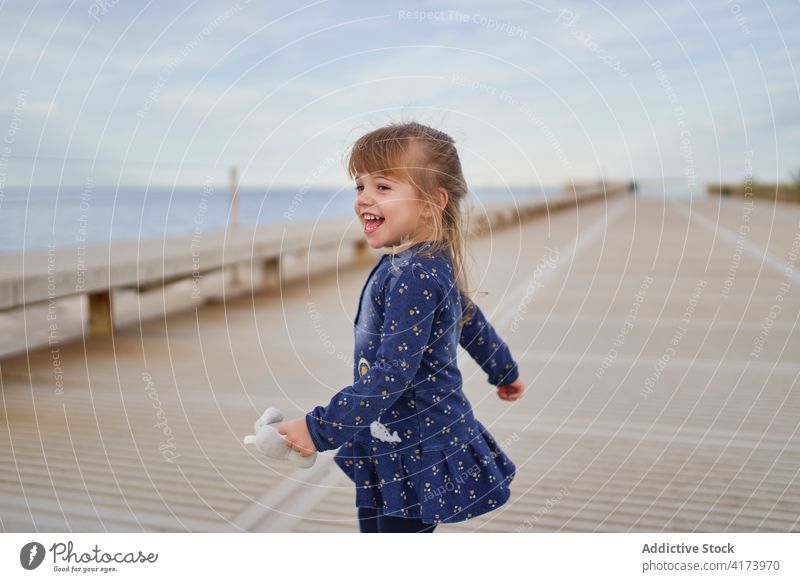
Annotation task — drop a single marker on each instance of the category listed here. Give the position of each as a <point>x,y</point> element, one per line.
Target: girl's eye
<point>360,188</point>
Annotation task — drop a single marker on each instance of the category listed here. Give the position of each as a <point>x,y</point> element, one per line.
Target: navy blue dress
<point>405,429</point>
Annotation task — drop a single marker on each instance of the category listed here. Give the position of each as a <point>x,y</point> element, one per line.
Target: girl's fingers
<point>302,451</point>
<point>507,393</point>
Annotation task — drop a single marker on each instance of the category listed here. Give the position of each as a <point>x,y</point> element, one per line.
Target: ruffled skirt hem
<point>440,486</point>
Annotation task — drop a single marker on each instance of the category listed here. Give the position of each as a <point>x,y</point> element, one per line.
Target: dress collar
<point>405,256</point>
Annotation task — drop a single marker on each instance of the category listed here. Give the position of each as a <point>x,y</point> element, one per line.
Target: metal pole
<point>234,213</point>
<point>233,223</point>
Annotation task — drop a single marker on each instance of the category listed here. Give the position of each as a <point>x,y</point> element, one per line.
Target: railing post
<point>100,320</point>
<point>361,250</point>
<point>271,273</point>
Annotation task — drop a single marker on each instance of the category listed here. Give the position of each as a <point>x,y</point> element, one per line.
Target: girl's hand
<point>297,436</point>
<point>511,391</point>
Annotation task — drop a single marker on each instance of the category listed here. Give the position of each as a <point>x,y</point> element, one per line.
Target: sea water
<point>34,218</point>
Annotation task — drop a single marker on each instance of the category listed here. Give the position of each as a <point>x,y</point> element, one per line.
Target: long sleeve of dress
<point>409,300</point>
<point>482,343</point>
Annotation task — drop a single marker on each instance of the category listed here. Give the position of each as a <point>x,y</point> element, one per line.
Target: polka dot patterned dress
<point>405,430</point>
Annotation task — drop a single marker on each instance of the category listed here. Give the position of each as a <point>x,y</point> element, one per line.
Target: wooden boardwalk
<point>662,388</point>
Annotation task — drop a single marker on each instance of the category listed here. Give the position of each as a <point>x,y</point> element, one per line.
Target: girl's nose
<point>364,198</point>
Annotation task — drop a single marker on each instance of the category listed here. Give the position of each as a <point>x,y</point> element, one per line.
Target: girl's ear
<point>443,197</point>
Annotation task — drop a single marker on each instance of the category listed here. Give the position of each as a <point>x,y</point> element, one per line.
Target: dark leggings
<point>372,520</point>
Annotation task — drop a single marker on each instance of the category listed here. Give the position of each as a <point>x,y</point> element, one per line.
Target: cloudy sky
<point>534,93</point>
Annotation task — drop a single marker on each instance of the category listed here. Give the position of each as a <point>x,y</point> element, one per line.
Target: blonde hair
<point>427,159</point>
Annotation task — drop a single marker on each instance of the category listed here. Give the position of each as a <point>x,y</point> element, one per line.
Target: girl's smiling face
<point>390,210</point>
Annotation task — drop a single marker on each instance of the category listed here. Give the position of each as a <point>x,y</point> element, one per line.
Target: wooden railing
<point>47,275</point>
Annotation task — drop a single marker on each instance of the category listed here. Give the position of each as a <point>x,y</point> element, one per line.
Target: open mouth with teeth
<point>372,222</point>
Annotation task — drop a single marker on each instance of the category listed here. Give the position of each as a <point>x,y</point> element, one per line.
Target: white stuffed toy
<point>273,444</point>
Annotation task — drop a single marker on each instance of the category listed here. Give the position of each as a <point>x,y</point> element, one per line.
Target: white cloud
<point>401,79</point>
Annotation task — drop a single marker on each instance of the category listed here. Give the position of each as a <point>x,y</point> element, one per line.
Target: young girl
<point>405,430</point>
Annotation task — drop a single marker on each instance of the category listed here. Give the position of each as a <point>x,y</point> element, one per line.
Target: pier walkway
<point>658,341</point>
